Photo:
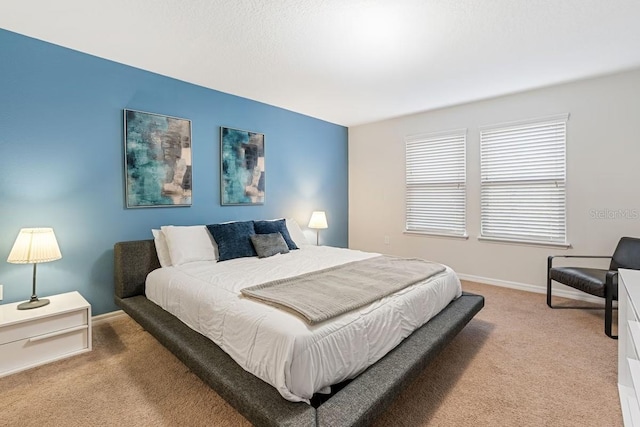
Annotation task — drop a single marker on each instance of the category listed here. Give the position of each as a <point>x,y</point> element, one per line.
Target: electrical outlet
<point>1,293</point>
<point>386,240</point>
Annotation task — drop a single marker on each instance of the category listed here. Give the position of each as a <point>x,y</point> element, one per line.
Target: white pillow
<point>189,244</point>
<point>296,233</point>
<point>161,248</point>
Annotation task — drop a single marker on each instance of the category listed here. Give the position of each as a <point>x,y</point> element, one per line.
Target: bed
<point>353,402</point>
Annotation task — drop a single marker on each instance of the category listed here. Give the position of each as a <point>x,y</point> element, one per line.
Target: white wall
<point>603,173</point>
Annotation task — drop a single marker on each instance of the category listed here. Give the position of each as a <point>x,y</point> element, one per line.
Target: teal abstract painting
<point>157,160</point>
<point>242,169</point>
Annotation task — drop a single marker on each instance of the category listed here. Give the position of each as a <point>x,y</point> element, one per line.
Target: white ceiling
<point>347,61</point>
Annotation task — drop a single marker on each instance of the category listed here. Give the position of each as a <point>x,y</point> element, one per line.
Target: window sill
<point>524,242</point>
<point>434,234</point>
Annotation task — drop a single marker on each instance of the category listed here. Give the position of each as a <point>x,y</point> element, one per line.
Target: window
<point>522,168</point>
<point>436,183</point>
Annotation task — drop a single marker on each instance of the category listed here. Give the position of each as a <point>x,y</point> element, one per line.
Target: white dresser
<point>41,335</point>
<point>629,345</point>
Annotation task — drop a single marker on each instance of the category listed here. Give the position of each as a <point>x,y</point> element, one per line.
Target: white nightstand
<point>41,335</point>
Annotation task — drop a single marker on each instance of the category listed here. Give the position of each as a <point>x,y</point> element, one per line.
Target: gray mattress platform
<point>358,403</point>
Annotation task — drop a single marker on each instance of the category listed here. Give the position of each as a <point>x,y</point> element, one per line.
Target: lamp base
<point>33,304</point>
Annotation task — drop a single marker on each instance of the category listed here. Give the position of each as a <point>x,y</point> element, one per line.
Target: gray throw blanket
<point>324,294</point>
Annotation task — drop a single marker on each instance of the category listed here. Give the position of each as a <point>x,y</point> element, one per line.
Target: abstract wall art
<point>157,160</point>
<point>242,169</point>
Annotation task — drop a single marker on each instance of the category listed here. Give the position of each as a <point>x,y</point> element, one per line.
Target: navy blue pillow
<point>233,239</point>
<point>277,226</point>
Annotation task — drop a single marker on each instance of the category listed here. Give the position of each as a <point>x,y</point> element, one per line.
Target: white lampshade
<point>34,245</point>
<point>318,220</point>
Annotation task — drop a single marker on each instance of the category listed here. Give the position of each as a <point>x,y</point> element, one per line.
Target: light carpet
<point>517,363</point>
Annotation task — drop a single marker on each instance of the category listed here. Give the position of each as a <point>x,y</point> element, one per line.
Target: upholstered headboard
<point>132,262</point>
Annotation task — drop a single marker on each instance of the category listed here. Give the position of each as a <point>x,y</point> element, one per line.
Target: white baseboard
<point>576,295</point>
<point>106,316</point>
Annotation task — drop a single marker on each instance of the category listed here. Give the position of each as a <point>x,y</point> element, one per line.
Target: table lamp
<point>318,221</point>
<point>32,246</point>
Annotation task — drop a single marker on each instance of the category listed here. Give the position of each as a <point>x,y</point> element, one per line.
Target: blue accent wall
<point>61,162</point>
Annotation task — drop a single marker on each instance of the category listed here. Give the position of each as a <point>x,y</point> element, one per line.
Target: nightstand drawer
<point>43,326</point>
<point>18,355</point>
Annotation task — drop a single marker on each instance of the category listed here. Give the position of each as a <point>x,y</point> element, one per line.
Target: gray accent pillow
<point>267,245</point>
<point>275,226</point>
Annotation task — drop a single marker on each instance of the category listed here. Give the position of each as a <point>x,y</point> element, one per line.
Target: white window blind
<point>436,183</point>
<point>523,181</point>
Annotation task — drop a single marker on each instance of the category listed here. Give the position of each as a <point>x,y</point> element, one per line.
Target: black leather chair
<point>595,281</point>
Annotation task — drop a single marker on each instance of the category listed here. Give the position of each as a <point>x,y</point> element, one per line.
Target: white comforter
<point>278,347</point>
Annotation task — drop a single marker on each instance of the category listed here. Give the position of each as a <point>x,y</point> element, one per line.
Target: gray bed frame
<point>358,403</point>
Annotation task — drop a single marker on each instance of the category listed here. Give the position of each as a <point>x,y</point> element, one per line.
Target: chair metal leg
<point>608,312</point>
<point>608,320</point>
<point>608,308</point>
<point>610,285</point>
<point>607,325</point>
<point>549,282</point>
